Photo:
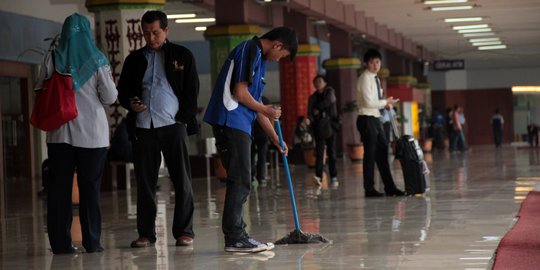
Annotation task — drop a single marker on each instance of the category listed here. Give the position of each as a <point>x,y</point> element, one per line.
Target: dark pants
<point>497,135</point>
<point>458,140</point>
<point>64,159</point>
<point>259,150</point>
<point>330,144</point>
<point>234,148</point>
<point>147,149</point>
<point>375,151</point>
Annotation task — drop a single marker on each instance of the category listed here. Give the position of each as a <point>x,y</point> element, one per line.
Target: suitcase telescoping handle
<point>393,123</point>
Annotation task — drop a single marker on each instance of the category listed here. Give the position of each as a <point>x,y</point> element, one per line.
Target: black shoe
<point>395,192</point>
<point>373,193</point>
<point>71,250</point>
<point>97,250</point>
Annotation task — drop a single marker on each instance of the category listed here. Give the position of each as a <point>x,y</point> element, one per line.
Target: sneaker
<point>317,180</point>
<point>247,245</point>
<point>334,181</point>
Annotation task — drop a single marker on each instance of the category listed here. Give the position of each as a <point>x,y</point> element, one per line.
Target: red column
<point>296,87</point>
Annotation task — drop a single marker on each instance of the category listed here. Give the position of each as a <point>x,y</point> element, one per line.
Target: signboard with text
<point>442,65</point>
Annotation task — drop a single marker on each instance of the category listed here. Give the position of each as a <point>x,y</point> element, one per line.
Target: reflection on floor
<point>473,199</point>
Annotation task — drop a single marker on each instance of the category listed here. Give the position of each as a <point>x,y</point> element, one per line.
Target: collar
<point>371,73</point>
<point>257,41</point>
<point>148,49</point>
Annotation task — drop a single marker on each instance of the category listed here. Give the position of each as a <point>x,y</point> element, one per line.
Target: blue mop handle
<point>286,164</point>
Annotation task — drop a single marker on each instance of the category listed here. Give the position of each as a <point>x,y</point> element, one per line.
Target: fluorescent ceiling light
<point>467,19</point>
<point>451,8</point>
<point>525,88</point>
<point>195,20</point>
<point>486,43</point>
<point>494,47</point>
<point>479,30</point>
<point>478,34</point>
<point>181,16</point>
<point>200,28</point>
<point>437,2</point>
<point>461,27</point>
<point>484,39</point>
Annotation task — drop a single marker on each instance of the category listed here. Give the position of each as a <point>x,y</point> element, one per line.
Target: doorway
<point>15,130</point>
<point>16,144</point>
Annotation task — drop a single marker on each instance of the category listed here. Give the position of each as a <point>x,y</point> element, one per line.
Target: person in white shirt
<point>370,100</point>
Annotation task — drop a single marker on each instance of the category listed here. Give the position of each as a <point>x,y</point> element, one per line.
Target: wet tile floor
<point>471,204</point>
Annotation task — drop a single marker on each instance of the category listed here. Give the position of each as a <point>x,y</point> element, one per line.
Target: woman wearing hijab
<point>80,144</point>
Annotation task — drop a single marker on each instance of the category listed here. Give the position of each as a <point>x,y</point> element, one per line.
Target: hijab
<point>76,52</point>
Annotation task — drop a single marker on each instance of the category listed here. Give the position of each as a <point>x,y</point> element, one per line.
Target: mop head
<point>300,237</point>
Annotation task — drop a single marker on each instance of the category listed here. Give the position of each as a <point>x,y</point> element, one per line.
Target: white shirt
<point>367,96</point>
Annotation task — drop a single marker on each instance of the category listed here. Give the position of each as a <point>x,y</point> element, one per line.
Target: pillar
<point>223,38</point>
<point>341,74</point>
<point>296,78</point>
<point>118,32</point>
<point>404,88</point>
<point>296,85</point>
<point>341,71</point>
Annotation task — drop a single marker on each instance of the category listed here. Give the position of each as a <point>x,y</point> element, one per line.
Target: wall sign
<point>443,65</point>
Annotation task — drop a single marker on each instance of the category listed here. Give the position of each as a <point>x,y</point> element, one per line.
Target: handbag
<point>55,103</point>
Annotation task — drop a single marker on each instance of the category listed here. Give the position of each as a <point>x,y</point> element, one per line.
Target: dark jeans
<point>234,148</point>
<point>259,150</point>
<point>375,151</point>
<point>64,159</point>
<point>147,149</point>
<point>497,136</point>
<point>458,141</point>
<point>330,144</point>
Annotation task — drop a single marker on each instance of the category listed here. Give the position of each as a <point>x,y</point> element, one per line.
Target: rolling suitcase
<point>411,157</point>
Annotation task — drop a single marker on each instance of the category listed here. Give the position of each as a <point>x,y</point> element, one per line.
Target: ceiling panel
<point>517,22</point>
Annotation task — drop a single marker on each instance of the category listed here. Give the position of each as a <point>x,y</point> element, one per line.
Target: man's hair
<point>285,35</point>
<point>155,15</point>
<point>371,54</point>
<point>319,76</point>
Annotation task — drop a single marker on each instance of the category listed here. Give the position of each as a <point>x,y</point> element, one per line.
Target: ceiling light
<point>461,27</point>
<point>451,8</point>
<point>479,30</point>
<point>467,19</point>
<point>436,2</point>
<point>478,34</point>
<point>195,20</point>
<point>200,28</point>
<point>181,16</point>
<point>494,47</point>
<point>525,88</point>
<point>486,43</point>
<point>484,39</point>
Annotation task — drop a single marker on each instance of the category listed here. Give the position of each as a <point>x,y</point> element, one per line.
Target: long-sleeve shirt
<point>90,129</point>
<point>162,104</point>
<point>367,96</point>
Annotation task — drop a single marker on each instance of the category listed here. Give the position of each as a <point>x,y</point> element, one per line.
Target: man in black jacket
<point>159,86</point>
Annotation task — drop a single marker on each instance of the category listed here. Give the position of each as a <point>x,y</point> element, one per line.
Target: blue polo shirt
<point>245,63</point>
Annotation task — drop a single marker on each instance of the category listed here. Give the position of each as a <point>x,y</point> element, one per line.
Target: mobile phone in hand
<point>136,100</point>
